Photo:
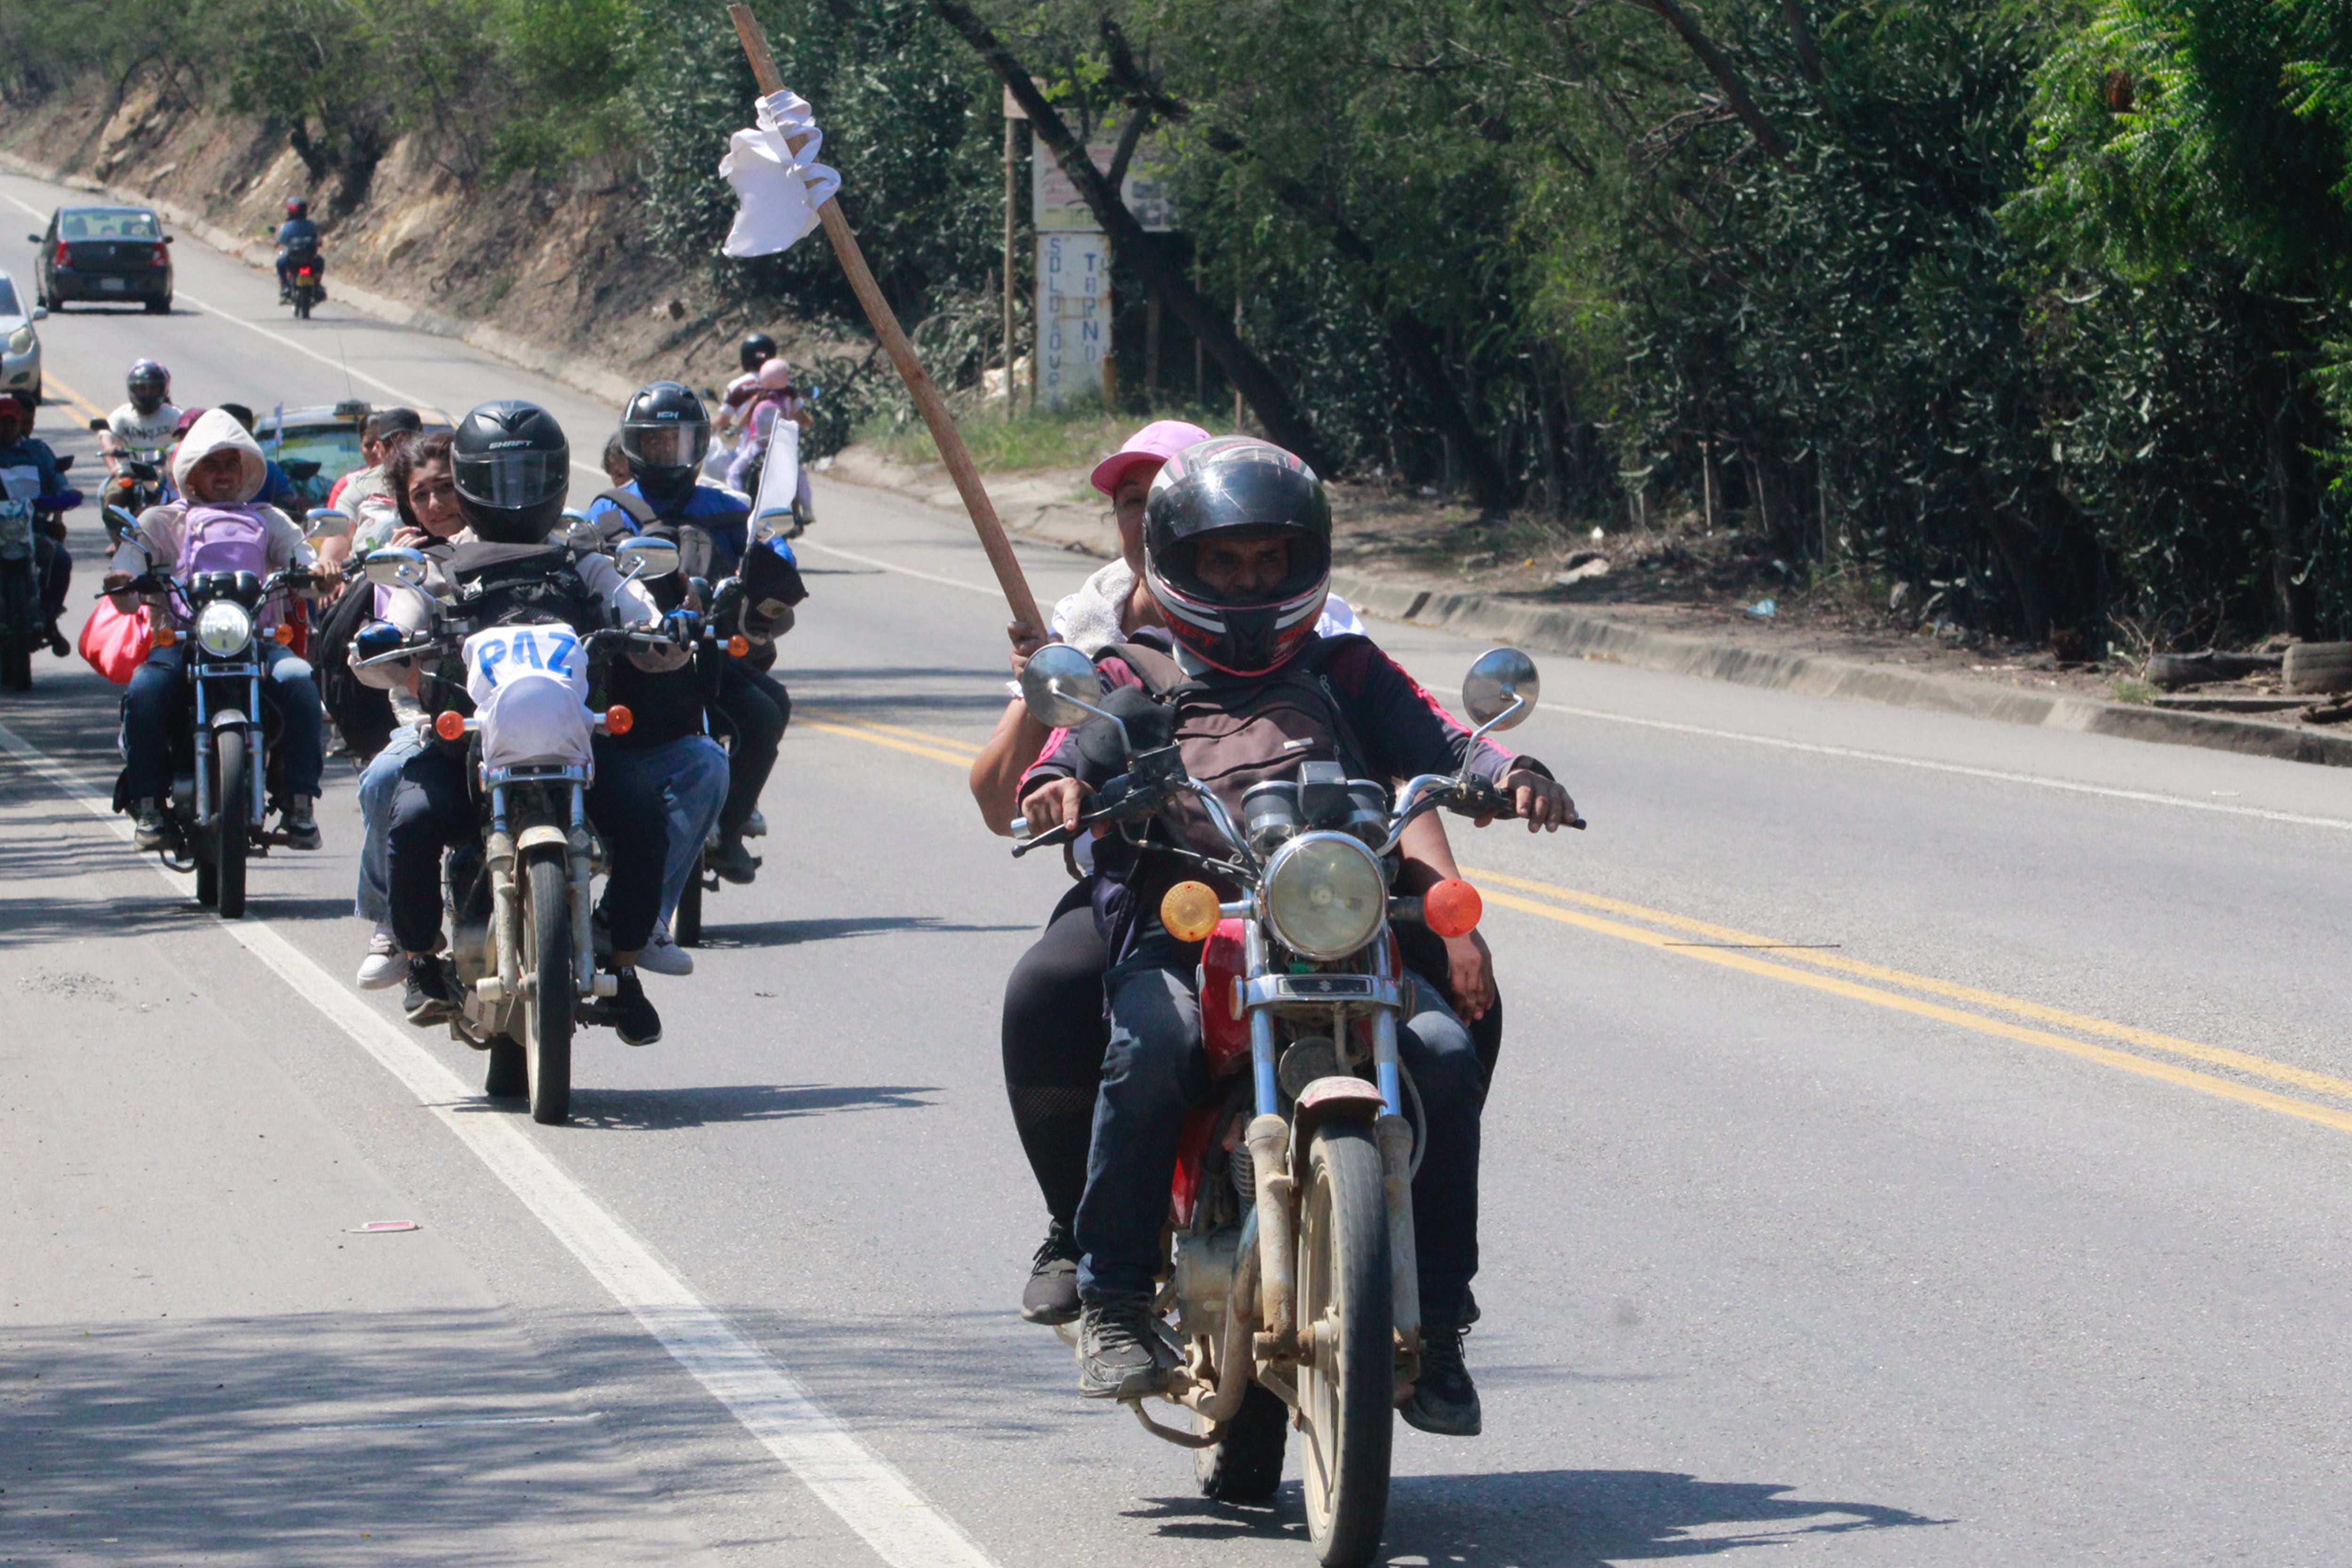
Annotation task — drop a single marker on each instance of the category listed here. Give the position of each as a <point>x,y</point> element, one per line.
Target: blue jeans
<point>158,697</point>
<point>1155,1071</point>
<point>379,782</point>
<point>691,773</point>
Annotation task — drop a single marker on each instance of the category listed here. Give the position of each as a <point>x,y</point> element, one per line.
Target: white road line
<point>857,1484</point>
<point>458,1421</point>
<point>991,589</point>
<point>28,207</point>
<point>281,339</point>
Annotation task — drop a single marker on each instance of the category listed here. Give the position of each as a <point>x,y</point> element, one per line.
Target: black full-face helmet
<point>665,435</point>
<point>511,467</point>
<point>296,207</point>
<point>1238,489</point>
<point>757,350</point>
<point>149,383</point>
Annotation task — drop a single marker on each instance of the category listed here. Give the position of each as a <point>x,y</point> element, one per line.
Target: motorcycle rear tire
<point>235,798</point>
<point>24,612</point>
<point>16,665</point>
<point>509,1075</point>
<point>1246,1465</point>
<point>547,1011</point>
<point>685,925</point>
<point>1347,1397</point>
<point>301,304</point>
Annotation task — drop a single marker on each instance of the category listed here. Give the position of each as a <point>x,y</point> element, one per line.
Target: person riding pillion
<point>510,466</point>
<point>664,432</point>
<point>1238,556</point>
<point>216,527</point>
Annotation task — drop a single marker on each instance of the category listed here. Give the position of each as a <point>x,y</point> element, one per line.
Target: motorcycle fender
<point>544,834</point>
<point>1335,1098</point>
<point>227,719</point>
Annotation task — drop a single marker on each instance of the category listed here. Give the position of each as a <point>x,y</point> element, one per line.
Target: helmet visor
<point>512,479</point>
<point>665,444</point>
<point>1244,568</point>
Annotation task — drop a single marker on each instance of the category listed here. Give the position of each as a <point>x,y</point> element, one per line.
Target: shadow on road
<point>1554,1519</point>
<point>663,1109</point>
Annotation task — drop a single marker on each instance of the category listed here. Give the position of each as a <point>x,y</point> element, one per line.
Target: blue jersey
<point>724,514</point>
<point>297,234</point>
<point>30,459</point>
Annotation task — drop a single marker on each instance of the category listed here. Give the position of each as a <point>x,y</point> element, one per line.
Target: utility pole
<point>1013,115</point>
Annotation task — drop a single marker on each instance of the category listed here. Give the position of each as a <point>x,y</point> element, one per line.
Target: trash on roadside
<point>1583,566</point>
<point>1764,607</point>
<point>381,1226</point>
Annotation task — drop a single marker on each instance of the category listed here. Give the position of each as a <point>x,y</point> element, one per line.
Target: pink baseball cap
<point>1148,447</point>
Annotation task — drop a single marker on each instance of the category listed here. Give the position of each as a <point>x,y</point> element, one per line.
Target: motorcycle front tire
<point>1347,1397</point>
<point>234,801</point>
<point>1245,1464</point>
<point>547,1011</point>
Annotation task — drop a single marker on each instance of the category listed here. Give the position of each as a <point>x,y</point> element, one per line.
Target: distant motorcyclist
<point>141,430</point>
<point>297,238</point>
<point>28,472</point>
<point>1238,548</point>
<point>510,466</point>
<point>775,396</point>
<point>219,527</point>
<point>665,431</point>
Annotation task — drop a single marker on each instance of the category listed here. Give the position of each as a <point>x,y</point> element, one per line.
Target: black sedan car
<point>105,254</point>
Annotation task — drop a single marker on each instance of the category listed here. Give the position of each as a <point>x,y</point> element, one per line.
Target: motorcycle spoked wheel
<point>547,1009</point>
<point>1245,1464</point>
<point>234,805</point>
<point>1346,1397</point>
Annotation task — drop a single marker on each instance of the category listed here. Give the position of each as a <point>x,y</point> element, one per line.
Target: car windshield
<point>8,306</point>
<point>108,223</point>
<point>334,447</point>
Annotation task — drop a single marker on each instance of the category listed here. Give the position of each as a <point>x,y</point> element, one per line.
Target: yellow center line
<point>51,383</point>
<point>899,739</point>
<point>860,722</point>
<point>2217,1056</point>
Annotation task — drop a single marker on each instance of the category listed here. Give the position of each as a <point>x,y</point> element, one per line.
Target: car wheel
<point>162,306</point>
<point>38,398</point>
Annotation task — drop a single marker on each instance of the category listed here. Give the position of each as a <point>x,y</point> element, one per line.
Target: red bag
<point>115,644</point>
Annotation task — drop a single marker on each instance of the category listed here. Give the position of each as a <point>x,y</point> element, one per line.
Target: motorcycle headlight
<point>1326,895</point>
<point>20,340</point>
<point>223,629</point>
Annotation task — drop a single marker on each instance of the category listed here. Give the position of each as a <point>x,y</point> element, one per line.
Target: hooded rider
<point>664,432</point>
<point>510,466</point>
<point>218,526</point>
<point>1238,537</point>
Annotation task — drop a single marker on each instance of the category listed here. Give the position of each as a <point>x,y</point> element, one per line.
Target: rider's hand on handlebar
<point>1541,803</point>
<point>1057,802</point>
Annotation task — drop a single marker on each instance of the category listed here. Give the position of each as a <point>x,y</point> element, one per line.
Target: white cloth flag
<point>777,192</point>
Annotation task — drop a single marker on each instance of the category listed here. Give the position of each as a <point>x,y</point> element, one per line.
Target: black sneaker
<point>731,860</point>
<point>1120,1353</point>
<point>1050,1297</point>
<point>295,820</point>
<point>634,1018</point>
<point>58,644</point>
<point>1445,1401</point>
<point>432,995</point>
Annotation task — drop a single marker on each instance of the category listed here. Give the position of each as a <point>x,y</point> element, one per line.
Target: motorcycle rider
<point>510,467</point>
<point>28,472</point>
<point>218,468</point>
<point>298,236</point>
<point>1053,1034</point>
<point>142,429</point>
<point>664,432</point>
<point>1237,558</point>
<point>774,396</point>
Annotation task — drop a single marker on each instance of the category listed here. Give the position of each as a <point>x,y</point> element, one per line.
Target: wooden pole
<point>926,394</point>
<point>1012,117</point>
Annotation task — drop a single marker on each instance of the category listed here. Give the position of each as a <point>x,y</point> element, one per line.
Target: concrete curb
<point>579,373</point>
<point>1551,628</point>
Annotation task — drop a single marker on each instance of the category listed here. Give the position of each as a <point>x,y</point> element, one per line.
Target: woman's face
<point>1127,504</point>
<point>217,476</point>
<point>433,499</point>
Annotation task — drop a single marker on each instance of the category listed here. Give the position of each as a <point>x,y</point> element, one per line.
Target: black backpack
<point>361,713</point>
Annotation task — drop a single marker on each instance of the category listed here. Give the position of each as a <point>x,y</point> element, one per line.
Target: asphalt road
<point>2001,1220</point>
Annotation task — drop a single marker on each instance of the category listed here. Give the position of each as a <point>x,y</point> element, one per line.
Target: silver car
<point>20,346</point>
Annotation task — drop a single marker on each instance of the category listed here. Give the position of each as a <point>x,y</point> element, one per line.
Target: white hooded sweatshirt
<point>157,543</point>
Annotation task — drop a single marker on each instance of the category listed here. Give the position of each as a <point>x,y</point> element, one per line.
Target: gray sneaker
<point>1051,1296</point>
<point>1120,1353</point>
<point>150,829</point>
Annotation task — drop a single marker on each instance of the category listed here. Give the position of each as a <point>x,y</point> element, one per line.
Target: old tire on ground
<point>508,1076</point>
<point>2316,668</point>
<point>233,800</point>
<point>1347,1397</point>
<point>547,1010</point>
<point>1246,1465</point>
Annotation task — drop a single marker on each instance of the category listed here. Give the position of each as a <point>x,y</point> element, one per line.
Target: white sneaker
<point>385,965</point>
<point>755,826</point>
<point>663,956</point>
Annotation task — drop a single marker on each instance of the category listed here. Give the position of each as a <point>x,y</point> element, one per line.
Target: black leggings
<point>1055,1035</point>
<point>757,708</point>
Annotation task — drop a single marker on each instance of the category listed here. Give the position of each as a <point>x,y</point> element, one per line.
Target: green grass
<point>1077,436</point>
<point>2131,689</point>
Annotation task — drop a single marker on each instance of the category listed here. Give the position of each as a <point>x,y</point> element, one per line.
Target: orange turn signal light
<point>284,632</point>
<point>1453,908</point>
<point>166,636</point>
<point>619,721</point>
<point>738,645</point>
<point>449,724</point>
<point>1189,912</point>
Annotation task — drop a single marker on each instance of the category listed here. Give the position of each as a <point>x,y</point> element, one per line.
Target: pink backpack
<point>224,538</point>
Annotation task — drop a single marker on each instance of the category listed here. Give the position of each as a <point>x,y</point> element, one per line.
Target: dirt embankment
<point>559,264</point>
